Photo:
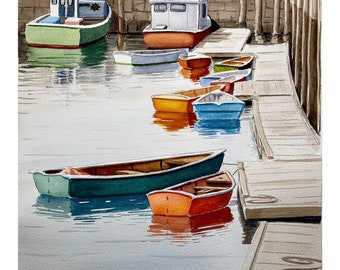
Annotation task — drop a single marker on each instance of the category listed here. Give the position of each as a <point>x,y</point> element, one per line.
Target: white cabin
<point>78,8</point>
<point>179,14</point>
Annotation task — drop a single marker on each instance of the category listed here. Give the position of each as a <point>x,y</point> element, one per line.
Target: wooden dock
<point>224,40</point>
<point>280,189</point>
<point>279,245</point>
<point>287,181</point>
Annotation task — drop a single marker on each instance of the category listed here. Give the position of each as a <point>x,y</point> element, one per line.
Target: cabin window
<point>204,10</point>
<point>70,2</point>
<point>178,7</point>
<point>54,2</point>
<point>160,8</point>
<point>62,2</point>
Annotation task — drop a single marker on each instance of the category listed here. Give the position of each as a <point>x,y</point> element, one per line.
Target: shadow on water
<point>181,228</point>
<point>87,209</point>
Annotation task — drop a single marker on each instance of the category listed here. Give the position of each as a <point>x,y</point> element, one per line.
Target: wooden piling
<point>243,13</point>
<point>121,17</point>
<point>258,22</point>
<point>298,45</point>
<point>287,25</point>
<point>313,66</point>
<point>276,24</point>
<point>304,48</point>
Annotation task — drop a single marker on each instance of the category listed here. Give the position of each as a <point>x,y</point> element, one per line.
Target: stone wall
<point>137,13</point>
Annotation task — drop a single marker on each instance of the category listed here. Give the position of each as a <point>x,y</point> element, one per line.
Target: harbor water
<point>77,107</point>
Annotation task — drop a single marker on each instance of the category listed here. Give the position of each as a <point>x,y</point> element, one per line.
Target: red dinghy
<point>194,60</point>
<point>198,196</point>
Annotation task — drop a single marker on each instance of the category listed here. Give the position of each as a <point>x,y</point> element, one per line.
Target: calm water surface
<point>77,107</point>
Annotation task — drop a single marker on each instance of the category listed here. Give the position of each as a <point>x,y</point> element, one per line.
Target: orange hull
<point>194,74</point>
<point>194,61</point>
<point>193,197</point>
<point>171,40</point>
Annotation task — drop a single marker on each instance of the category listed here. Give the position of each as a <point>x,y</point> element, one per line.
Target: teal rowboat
<point>133,177</point>
<point>69,35</point>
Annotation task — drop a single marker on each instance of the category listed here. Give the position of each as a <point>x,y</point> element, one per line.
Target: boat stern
<point>51,184</point>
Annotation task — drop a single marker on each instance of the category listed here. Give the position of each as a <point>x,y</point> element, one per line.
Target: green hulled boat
<point>70,24</point>
<point>133,177</point>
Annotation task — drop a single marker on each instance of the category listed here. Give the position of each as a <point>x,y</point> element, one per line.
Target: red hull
<point>171,40</point>
<point>194,62</point>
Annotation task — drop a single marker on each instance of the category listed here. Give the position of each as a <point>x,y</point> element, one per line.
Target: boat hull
<point>56,183</point>
<point>227,111</point>
<point>207,80</point>
<point>180,102</point>
<point>181,202</point>
<point>147,57</point>
<point>220,66</point>
<point>194,62</point>
<point>173,39</point>
<point>65,36</point>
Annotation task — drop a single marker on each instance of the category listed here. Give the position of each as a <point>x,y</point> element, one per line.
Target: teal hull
<point>64,36</point>
<point>61,185</point>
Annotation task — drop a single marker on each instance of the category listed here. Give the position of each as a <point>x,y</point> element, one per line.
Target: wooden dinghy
<point>194,60</point>
<point>242,62</point>
<point>147,57</point>
<point>217,76</point>
<point>181,101</point>
<point>218,105</point>
<point>194,197</point>
<point>133,177</point>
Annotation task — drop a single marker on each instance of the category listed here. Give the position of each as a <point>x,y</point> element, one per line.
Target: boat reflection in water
<point>194,74</point>
<point>186,228</point>
<point>154,69</point>
<point>171,121</point>
<point>216,126</point>
<point>88,209</point>
<point>87,56</point>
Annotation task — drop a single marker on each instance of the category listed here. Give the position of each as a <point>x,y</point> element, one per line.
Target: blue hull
<point>227,111</point>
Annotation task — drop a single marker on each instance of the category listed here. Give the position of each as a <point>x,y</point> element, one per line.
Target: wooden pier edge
<point>254,247</point>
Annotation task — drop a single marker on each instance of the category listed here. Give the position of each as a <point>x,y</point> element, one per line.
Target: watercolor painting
<point>164,134</point>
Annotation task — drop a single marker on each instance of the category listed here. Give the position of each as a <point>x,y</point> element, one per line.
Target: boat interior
<point>206,185</point>
<point>131,168</point>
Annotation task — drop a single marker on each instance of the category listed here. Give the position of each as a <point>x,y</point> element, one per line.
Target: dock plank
<point>280,130</point>
<point>224,40</point>
<point>280,188</point>
<point>251,89</point>
<point>283,245</point>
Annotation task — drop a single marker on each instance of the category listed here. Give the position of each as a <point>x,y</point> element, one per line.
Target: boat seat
<point>73,171</point>
<point>176,161</point>
<point>206,189</point>
<point>127,172</point>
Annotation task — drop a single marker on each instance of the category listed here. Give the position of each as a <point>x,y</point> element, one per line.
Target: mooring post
<point>304,48</point>
<point>258,22</point>
<point>287,21</point>
<point>298,45</point>
<point>276,25</point>
<point>243,13</point>
<point>313,66</point>
<point>121,17</point>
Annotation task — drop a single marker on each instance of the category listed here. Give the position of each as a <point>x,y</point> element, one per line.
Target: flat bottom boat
<point>218,105</point>
<point>195,197</point>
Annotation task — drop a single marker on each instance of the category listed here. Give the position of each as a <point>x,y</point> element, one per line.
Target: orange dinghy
<point>194,60</point>
<point>180,102</point>
<point>194,197</point>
